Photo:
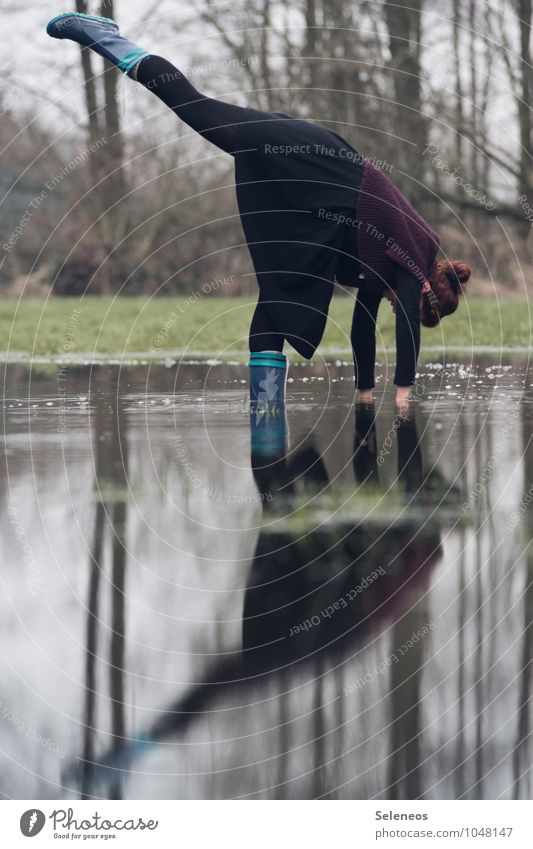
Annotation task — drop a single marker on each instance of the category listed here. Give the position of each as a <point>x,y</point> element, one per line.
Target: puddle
<point>334,603</point>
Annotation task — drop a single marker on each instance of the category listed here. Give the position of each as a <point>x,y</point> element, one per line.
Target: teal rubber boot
<point>268,377</point>
<point>101,35</point>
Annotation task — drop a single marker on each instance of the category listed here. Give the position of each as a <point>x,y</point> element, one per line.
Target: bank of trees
<point>442,96</point>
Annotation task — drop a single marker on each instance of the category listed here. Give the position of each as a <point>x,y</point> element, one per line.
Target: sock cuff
<point>271,359</point>
<point>132,59</point>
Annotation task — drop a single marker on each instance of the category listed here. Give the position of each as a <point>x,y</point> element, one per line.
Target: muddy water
<point>197,604</point>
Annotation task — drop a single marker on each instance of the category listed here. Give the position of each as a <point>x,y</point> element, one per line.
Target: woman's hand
<point>402,399</point>
<point>365,396</point>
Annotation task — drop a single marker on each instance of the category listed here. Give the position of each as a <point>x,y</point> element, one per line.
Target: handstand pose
<point>313,211</point>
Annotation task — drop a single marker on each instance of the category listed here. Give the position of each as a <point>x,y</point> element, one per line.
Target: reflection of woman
<point>300,576</point>
<point>312,210</point>
<point>312,595</point>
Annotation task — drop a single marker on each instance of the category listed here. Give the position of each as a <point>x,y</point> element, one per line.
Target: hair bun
<point>458,273</point>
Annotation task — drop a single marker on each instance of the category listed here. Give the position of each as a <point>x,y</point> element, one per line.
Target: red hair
<point>447,280</point>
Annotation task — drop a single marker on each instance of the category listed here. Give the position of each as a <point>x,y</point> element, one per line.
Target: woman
<point>313,211</point>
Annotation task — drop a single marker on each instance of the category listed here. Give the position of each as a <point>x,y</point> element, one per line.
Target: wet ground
<point>198,602</point>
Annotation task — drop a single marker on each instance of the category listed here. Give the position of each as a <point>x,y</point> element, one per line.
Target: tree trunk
<point>91,100</point>
<point>311,51</point>
<point>474,92</point>
<point>106,163</point>
<point>404,28</point>
<point>459,112</point>
<point>270,96</point>
<point>524,104</point>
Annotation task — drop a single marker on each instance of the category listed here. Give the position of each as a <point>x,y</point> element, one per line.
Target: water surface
<point>199,604</point>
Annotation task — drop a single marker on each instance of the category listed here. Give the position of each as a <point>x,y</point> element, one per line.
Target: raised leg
<point>214,119</point>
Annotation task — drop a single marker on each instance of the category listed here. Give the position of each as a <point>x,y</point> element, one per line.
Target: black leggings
<point>218,122</point>
<point>363,337</point>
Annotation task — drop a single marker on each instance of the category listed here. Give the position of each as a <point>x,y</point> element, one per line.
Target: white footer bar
<point>268,825</point>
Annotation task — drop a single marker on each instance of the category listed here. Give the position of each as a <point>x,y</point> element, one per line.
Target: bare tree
<point>404,24</point>
<point>103,124</point>
<point>526,93</point>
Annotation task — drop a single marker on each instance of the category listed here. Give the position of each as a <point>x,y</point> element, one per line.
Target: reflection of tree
<point>295,575</point>
<point>478,685</point>
<point>404,780</point>
<point>410,555</point>
<point>119,480</point>
<point>459,772</point>
<point>521,760</point>
<point>92,620</point>
<point>110,489</point>
<point>319,733</point>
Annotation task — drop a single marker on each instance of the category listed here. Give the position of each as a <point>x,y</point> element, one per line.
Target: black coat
<point>294,179</point>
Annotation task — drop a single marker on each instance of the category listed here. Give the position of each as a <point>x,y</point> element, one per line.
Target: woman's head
<point>446,282</point>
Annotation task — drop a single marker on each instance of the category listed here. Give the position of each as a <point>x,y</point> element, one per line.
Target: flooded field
<point>200,602</point>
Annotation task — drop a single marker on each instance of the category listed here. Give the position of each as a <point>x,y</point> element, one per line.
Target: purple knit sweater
<point>391,231</point>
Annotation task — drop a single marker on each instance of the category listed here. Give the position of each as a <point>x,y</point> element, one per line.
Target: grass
<point>218,325</point>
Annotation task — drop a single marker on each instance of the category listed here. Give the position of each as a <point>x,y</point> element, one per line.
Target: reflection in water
<point>111,500</point>
<point>347,614</point>
<point>522,751</point>
<point>330,589</point>
<point>318,590</point>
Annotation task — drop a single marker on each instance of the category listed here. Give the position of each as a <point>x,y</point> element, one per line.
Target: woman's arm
<point>408,290</point>
<point>363,338</point>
